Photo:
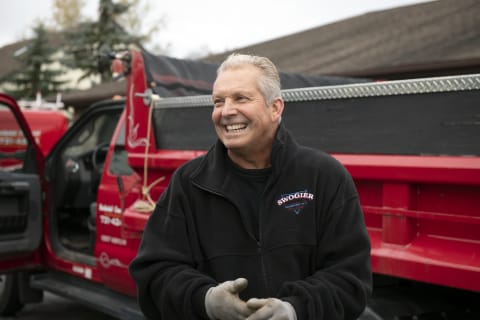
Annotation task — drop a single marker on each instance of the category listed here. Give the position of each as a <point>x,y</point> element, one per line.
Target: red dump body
<point>423,217</point>
<point>422,213</point>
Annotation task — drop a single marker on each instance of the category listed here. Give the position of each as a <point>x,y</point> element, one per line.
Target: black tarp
<point>441,123</point>
<point>170,77</point>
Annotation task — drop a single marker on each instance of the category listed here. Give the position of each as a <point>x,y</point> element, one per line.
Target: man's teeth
<point>232,127</point>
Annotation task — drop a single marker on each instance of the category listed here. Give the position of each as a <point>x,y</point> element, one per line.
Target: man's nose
<point>229,108</point>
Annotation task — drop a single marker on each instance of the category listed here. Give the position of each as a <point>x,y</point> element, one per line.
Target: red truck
<point>47,126</point>
<point>71,222</point>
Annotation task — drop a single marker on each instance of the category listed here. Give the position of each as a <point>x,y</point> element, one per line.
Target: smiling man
<point>244,120</point>
<point>258,228</point>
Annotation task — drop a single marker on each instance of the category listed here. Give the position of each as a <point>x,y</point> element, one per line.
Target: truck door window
<point>97,132</point>
<point>79,172</point>
<point>82,172</point>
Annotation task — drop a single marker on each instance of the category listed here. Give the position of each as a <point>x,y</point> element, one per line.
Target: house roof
<point>420,39</point>
<point>7,62</point>
<point>84,98</point>
<point>431,35</point>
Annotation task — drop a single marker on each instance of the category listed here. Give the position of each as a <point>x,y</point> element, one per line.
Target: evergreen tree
<point>91,41</point>
<point>35,74</point>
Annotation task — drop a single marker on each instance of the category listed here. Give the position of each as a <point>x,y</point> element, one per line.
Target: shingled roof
<point>432,38</point>
<point>9,64</point>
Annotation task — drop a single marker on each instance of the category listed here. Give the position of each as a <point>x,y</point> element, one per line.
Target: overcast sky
<point>193,26</point>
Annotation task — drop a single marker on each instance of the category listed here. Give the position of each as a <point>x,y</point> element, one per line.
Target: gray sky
<point>194,26</point>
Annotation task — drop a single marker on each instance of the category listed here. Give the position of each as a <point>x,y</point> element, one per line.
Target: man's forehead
<point>238,79</point>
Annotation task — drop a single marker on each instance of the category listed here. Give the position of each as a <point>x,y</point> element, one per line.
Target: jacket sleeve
<point>168,285</point>
<point>341,284</point>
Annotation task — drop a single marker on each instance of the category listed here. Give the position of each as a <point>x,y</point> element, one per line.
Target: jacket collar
<point>212,172</point>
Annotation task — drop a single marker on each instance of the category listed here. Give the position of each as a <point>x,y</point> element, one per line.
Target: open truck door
<point>20,189</point>
<point>21,163</point>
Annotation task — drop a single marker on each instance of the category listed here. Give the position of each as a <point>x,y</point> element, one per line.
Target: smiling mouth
<point>235,127</point>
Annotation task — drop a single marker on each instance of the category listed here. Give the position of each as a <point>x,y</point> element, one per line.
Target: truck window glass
<point>98,132</point>
<point>79,172</point>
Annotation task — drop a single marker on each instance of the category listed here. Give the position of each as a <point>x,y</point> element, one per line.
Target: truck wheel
<point>9,294</point>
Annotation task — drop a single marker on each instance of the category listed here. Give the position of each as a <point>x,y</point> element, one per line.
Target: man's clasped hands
<point>223,303</point>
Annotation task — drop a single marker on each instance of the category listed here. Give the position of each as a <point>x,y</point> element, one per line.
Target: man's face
<point>242,119</point>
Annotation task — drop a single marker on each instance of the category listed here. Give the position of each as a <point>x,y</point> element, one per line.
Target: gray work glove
<point>222,302</point>
<point>272,309</point>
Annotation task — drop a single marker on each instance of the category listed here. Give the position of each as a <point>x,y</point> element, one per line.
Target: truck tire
<point>9,294</point>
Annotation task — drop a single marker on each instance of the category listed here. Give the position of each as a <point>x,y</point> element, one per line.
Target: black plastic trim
<point>88,293</point>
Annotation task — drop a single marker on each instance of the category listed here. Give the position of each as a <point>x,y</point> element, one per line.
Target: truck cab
<point>51,226</point>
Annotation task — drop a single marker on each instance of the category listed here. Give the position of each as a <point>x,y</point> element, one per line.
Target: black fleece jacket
<point>312,248</point>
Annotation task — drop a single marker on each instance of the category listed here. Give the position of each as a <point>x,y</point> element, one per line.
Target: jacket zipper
<point>262,260</point>
<point>232,202</point>
<point>258,241</point>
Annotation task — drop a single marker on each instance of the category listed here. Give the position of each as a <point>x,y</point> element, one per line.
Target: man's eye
<point>217,102</point>
<point>241,98</point>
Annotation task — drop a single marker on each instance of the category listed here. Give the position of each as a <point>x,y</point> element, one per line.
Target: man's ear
<point>277,109</point>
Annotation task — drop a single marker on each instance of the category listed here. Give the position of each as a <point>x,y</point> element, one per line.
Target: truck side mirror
<point>120,184</point>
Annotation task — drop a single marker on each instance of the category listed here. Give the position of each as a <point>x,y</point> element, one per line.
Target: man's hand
<point>222,302</point>
<point>271,308</point>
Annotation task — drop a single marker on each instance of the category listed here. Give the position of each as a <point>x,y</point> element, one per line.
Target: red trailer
<point>47,126</point>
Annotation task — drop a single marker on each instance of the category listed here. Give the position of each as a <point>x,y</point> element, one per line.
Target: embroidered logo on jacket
<point>295,201</point>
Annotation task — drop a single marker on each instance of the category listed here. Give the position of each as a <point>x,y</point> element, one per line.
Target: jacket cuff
<point>298,304</point>
<point>198,302</point>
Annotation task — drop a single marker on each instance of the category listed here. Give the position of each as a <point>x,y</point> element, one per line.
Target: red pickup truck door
<point>21,163</point>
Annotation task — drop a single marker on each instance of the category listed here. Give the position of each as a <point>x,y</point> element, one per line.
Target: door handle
<point>16,187</point>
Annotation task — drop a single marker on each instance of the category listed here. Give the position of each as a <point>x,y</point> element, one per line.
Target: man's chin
<point>233,142</point>
<point>235,147</point>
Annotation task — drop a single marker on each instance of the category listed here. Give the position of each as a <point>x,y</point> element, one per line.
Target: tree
<point>67,13</point>
<point>90,41</point>
<point>137,21</point>
<point>35,74</point>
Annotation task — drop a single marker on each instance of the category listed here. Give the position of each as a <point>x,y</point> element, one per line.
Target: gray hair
<point>268,84</point>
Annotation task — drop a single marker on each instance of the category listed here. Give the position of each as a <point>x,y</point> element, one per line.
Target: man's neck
<point>258,161</point>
